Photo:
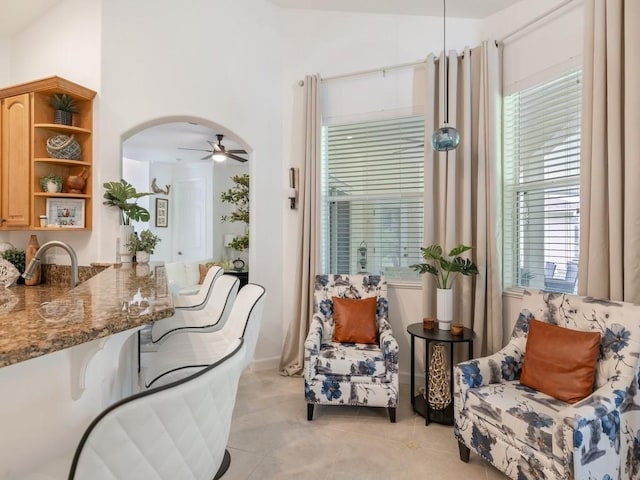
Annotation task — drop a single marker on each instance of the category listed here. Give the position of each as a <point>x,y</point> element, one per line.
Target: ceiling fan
<point>218,152</point>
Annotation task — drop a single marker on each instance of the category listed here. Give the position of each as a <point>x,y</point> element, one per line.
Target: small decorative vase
<point>142,257</point>
<point>76,183</point>
<point>439,395</point>
<point>444,308</point>
<point>30,252</point>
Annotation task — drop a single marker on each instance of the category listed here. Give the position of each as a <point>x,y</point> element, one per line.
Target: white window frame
<point>546,177</point>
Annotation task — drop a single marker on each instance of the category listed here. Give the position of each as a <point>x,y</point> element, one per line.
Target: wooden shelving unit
<point>41,128</point>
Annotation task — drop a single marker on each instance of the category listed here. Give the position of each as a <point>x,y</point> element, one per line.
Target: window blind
<point>372,196</point>
<point>542,184</point>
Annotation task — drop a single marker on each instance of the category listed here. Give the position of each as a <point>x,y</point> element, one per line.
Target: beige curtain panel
<point>610,152</point>
<point>462,194</point>
<point>292,358</point>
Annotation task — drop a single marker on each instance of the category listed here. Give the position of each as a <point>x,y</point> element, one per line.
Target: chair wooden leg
<point>392,414</point>
<point>464,452</point>
<point>310,411</point>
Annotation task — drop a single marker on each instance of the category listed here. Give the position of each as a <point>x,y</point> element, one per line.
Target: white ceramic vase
<point>444,308</point>
<point>125,235</point>
<point>142,257</point>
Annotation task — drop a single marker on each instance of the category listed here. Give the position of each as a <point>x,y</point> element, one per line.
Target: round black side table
<point>419,403</point>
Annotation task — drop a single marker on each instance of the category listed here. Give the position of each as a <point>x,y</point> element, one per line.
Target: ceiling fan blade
<point>235,157</point>
<point>244,152</point>
<point>206,157</point>
<point>217,147</point>
<point>194,149</point>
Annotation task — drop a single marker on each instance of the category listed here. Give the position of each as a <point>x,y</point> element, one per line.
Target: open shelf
<point>61,161</point>
<point>62,128</point>
<point>61,195</point>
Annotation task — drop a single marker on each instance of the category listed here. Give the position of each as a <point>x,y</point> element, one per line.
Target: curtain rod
<point>380,69</point>
<point>535,20</point>
<point>374,70</point>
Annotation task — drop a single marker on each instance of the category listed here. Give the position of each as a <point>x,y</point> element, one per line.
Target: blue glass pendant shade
<point>445,138</point>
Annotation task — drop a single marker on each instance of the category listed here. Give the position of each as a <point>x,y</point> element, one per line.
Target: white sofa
<point>183,277</point>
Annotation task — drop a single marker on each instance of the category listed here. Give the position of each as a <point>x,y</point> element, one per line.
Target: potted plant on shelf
<point>444,270</point>
<point>238,195</point>
<point>64,106</point>
<point>144,245</point>
<point>51,183</point>
<point>124,196</point>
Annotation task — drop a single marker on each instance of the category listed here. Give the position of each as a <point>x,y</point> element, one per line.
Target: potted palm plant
<point>124,196</point>
<point>445,270</point>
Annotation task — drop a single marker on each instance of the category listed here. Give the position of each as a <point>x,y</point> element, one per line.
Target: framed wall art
<point>162,212</point>
<point>65,212</point>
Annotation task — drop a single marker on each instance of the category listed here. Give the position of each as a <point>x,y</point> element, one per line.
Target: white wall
<point>169,58</point>
<point>163,173</point>
<point>5,58</point>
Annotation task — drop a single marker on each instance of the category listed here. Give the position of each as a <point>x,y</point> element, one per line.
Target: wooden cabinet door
<point>15,155</point>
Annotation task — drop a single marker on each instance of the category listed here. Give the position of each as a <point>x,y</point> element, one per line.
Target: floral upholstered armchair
<point>528,434</point>
<point>356,374</point>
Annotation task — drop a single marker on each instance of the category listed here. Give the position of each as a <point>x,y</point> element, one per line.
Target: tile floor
<point>272,439</point>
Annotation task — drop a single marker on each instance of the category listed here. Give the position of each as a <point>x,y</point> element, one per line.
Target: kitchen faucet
<point>31,268</point>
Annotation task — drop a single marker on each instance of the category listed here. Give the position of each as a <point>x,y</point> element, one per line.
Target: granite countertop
<point>42,319</point>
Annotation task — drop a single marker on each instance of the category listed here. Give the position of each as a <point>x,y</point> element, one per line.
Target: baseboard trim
<point>265,364</point>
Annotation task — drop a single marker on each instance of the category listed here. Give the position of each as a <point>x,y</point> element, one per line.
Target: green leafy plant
<point>51,178</point>
<point>64,102</point>
<point>238,195</point>
<point>16,257</point>
<point>146,242</point>
<point>445,269</point>
<point>118,194</point>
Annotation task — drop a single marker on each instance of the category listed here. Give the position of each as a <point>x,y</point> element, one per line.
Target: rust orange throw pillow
<point>203,272</point>
<point>355,320</point>
<point>560,362</point>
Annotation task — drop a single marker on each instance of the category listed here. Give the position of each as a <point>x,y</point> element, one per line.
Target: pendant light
<point>445,138</point>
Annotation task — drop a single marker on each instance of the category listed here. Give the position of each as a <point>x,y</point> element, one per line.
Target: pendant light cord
<point>446,62</point>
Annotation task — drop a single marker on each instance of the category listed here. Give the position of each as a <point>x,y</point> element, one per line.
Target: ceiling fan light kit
<point>446,137</point>
<point>218,152</point>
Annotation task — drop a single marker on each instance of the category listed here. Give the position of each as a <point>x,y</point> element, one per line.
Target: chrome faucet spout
<point>37,259</point>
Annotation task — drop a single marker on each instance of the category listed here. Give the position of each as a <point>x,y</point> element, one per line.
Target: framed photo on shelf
<point>162,212</point>
<point>65,212</point>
